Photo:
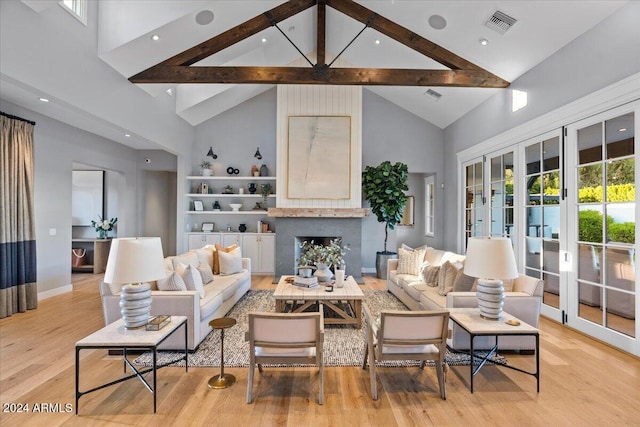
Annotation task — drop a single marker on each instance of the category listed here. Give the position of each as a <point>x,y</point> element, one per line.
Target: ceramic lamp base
<point>135,305</point>
<point>490,295</point>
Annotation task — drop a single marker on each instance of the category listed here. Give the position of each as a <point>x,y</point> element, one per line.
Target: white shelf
<point>226,212</point>
<point>231,178</point>
<point>221,195</point>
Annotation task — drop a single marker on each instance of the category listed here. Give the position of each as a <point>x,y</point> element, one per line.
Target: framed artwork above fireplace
<point>319,164</point>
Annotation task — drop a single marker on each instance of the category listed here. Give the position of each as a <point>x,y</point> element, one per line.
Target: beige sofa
<point>219,296</point>
<point>523,299</point>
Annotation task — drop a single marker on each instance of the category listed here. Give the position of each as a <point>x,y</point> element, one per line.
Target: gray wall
<point>57,146</point>
<point>604,55</point>
<point>392,133</point>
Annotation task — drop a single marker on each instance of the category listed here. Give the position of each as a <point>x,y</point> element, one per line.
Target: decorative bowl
<point>235,206</point>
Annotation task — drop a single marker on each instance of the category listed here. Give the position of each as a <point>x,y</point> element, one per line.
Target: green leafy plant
<point>384,186</point>
<point>205,164</point>
<point>331,254</point>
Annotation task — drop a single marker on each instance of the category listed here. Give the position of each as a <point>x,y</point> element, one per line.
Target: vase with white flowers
<point>103,226</point>
<point>323,257</point>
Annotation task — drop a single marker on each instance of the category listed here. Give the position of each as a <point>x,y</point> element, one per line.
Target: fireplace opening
<point>317,240</point>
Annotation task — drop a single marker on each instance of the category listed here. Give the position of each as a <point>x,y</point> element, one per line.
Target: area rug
<point>343,344</point>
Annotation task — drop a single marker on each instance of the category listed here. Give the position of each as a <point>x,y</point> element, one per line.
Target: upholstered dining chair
<point>285,338</point>
<point>407,335</point>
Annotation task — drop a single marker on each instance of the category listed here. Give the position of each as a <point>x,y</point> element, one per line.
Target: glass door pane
<point>474,201</point>
<point>542,216</point>
<point>606,224</point>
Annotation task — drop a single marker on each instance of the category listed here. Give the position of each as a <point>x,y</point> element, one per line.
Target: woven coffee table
<point>345,302</point>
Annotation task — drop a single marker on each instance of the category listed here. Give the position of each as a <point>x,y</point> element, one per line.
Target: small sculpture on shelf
<point>228,190</point>
<point>255,171</point>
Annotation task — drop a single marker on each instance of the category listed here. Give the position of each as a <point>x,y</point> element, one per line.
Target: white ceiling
<point>543,27</point>
<point>123,41</point>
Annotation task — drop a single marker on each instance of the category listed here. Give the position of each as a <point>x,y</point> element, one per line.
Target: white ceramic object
<point>235,206</point>
<point>135,305</point>
<point>490,295</point>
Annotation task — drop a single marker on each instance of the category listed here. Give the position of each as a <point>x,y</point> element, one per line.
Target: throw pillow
<point>205,256</point>
<point>173,282</point>
<point>189,258</point>
<point>216,258</point>
<point>409,261</point>
<point>447,277</point>
<point>463,283</point>
<point>191,277</point>
<point>230,262</point>
<point>206,273</point>
<point>429,274</point>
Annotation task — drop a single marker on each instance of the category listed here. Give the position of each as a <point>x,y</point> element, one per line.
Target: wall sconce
<point>211,153</point>
<point>258,155</point>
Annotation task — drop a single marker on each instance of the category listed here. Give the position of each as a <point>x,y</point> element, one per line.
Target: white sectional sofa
<point>220,295</point>
<point>523,299</point>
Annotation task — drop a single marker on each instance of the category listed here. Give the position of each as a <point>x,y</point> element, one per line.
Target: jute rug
<point>343,344</point>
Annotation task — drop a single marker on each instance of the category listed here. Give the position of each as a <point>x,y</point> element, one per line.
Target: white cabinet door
<point>196,241</point>
<point>267,253</point>
<point>261,249</point>
<point>229,239</point>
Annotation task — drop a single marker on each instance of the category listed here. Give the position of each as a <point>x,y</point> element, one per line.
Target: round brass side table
<point>223,380</point>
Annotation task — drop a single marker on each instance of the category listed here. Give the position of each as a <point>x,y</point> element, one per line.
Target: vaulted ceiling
<point>541,29</point>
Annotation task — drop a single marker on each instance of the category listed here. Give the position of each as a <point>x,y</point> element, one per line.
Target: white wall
<point>604,55</point>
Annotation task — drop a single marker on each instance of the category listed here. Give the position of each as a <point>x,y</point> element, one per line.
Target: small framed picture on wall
<point>198,206</point>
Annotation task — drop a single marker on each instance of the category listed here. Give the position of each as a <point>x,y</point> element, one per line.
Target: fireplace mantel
<point>318,212</point>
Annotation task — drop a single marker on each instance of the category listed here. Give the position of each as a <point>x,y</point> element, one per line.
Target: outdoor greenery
<point>590,228</point>
<point>384,186</point>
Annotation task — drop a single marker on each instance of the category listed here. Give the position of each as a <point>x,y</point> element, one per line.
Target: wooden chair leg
<point>441,382</point>
<point>366,353</point>
<point>372,372</point>
<point>260,367</point>
<point>321,386</point>
<point>250,382</point>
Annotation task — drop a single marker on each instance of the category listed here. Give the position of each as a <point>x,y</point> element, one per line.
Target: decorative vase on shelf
<point>252,188</point>
<point>323,272</point>
<point>216,206</point>
<point>103,234</point>
<point>242,228</point>
<point>264,171</point>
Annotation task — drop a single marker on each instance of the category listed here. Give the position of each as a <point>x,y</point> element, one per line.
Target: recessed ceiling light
<point>437,22</point>
<point>155,37</point>
<point>204,17</point>
<point>483,41</point>
<point>127,135</point>
<point>170,91</point>
<point>43,99</point>
<point>292,28</point>
<point>264,40</point>
<point>377,41</point>
<point>622,130</point>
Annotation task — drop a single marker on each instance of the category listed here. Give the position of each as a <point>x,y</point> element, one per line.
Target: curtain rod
<point>11,116</point>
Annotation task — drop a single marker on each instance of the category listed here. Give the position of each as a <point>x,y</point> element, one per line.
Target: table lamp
<point>490,260</point>
<point>135,261</point>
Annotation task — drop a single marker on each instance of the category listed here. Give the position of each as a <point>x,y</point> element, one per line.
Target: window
<point>77,8</point>
<point>429,208</point>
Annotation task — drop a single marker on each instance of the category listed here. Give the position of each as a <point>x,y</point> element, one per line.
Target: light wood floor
<point>583,382</point>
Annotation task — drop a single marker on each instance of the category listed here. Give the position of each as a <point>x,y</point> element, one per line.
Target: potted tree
<point>384,186</point>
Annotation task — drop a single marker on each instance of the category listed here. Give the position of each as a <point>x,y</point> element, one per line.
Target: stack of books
<point>156,323</point>
<point>306,282</point>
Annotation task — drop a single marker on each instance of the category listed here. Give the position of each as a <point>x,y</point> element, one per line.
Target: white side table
<point>116,336</point>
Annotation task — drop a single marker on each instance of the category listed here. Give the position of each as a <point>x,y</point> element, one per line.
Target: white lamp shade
<point>135,260</point>
<point>490,258</point>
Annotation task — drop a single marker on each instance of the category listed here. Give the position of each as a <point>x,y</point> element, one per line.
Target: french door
<point>602,236</point>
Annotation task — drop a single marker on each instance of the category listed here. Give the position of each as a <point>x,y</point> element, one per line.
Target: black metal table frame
<point>136,373</point>
<point>493,350</point>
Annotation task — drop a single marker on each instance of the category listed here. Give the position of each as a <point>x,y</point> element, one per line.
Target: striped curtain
<point>18,290</point>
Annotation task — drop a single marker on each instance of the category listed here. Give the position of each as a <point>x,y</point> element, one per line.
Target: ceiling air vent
<point>433,94</point>
<point>500,22</point>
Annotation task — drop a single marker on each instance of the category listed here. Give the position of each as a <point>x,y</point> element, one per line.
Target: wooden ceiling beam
<point>308,75</point>
<point>240,32</point>
<point>321,33</point>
